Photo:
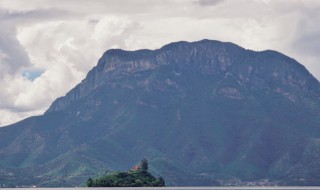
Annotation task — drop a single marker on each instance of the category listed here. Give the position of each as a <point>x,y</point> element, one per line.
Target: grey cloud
<point>307,33</point>
<point>305,42</point>
<point>33,15</point>
<point>208,2</point>
<point>15,55</point>
<point>308,43</point>
<point>307,47</point>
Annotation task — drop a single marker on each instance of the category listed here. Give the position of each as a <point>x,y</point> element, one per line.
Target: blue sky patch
<point>32,74</point>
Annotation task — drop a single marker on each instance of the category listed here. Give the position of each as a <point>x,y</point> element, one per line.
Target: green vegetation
<point>136,177</point>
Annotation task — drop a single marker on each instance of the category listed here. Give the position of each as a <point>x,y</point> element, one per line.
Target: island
<point>138,176</point>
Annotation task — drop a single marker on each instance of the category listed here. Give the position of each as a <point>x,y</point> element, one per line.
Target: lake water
<point>176,188</point>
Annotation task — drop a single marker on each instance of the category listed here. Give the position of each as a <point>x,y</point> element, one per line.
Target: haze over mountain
<point>202,113</point>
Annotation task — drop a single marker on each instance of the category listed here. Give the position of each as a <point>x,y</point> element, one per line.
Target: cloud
<point>46,48</point>
<point>303,33</point>
<point>208,2</point>
<point>12,55</point>
<point>32,15</point>
<point>8,117</point>
<point>67,55</point>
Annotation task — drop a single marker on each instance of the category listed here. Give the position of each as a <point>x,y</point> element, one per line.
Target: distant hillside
<point>201,113</point>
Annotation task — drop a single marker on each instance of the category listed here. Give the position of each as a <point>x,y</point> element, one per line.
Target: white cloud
<point>60,41</point>
<point>8,116</point>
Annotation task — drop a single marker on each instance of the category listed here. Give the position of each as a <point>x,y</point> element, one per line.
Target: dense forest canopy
<point>139,176</point>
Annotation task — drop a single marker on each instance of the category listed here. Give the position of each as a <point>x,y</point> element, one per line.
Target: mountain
<point>202,113</point>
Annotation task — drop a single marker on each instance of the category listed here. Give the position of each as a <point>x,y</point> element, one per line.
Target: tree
<point>89,182</point>
<point>161,183</point>
<point>144,166</point>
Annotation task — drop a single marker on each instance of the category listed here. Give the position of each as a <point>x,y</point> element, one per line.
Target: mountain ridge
<point>122,54</point>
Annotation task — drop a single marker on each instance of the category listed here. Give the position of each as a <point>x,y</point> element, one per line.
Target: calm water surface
<point>177,188</point>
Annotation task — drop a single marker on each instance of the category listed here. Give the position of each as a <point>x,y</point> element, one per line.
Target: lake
<point>177,188</point>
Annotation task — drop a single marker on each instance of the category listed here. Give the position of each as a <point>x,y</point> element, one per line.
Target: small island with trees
<point>138,176</point>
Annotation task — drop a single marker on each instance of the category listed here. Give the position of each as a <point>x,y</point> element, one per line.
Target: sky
<point>48,46</point>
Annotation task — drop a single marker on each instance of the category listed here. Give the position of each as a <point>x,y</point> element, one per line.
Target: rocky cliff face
<point>203,113</point>
<point>116,64</point>
<point>260,70</point>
